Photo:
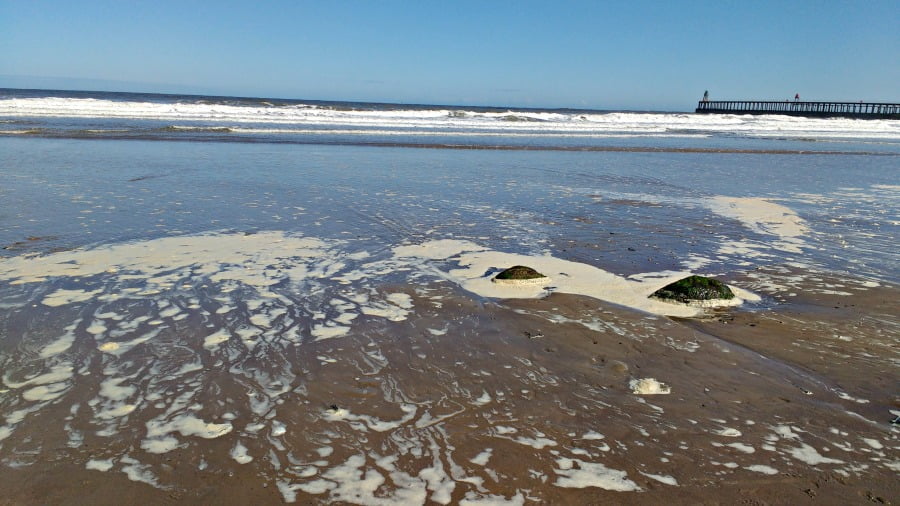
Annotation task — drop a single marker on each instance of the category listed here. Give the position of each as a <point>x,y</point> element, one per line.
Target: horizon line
<point>371,102</point>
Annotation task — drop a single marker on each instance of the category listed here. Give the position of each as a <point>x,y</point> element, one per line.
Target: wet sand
<point>514,401</point>
<point>260,324</point>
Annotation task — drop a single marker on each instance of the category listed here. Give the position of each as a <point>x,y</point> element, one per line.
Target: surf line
<point>223,136</point>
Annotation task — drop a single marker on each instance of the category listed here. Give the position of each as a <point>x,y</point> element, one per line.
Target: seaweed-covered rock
<point>694,288</point>
<point>519,272</point>
<point>520,275</point>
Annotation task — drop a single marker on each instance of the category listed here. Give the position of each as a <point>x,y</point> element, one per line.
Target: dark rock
<point>519,272</point>
<point>694,288</point>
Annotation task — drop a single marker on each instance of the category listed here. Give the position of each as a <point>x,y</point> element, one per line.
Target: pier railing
<point>870,110</point>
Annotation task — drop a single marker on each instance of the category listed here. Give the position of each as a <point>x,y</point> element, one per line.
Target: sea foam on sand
<point>565,276</point>
<point>265,259</point>
<point>764,217</point>
<point>648,386</point>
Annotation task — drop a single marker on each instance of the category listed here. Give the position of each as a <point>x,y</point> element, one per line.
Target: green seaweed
<point>694,288</point>
<point>519,272</point>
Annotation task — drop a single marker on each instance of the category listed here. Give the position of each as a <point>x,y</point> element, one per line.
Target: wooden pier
<point>860,110</point>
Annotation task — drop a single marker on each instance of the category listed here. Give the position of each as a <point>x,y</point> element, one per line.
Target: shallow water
<point>88,192</point>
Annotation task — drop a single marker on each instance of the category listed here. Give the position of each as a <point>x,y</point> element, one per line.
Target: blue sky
<point>595,54</point>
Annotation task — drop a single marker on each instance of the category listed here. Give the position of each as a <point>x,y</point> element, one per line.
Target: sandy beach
<point>259,321</point>
<point>437,394</point>
<point>520,404</point>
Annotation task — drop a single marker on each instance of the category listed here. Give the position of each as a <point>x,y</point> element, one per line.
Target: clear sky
<point>594,53</point>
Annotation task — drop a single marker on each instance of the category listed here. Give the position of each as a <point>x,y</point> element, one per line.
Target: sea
<point>233,300</point>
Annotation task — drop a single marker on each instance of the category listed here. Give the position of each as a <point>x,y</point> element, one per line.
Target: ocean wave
<point>27,131</point>
<point>209,129</point>
<point>456,133</point>
<point>349,132</point>
<point>219,116</point>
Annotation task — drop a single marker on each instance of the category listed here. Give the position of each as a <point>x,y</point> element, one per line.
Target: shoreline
<point>236,139</point>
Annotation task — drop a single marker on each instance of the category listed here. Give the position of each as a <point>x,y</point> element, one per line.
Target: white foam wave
<point>441,120</point>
